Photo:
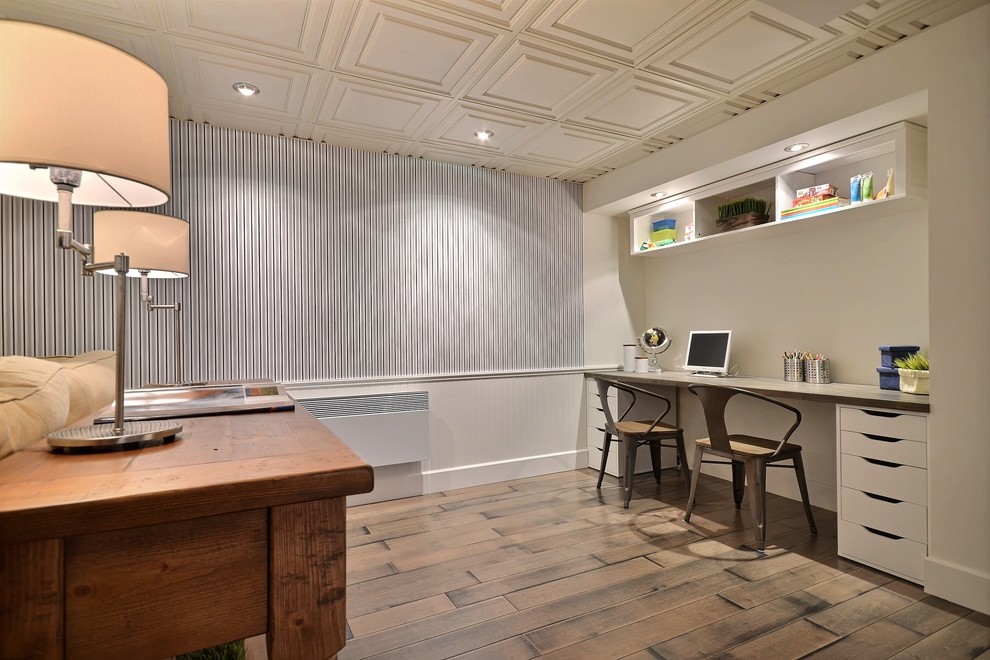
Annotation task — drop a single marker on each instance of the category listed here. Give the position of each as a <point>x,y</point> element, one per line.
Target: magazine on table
<point>204,399</point>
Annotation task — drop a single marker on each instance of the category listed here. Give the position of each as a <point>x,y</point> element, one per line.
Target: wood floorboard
<point>551,567</point>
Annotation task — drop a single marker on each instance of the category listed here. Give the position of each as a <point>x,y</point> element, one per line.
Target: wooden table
<point>837,393</point>
<point>234,530</point>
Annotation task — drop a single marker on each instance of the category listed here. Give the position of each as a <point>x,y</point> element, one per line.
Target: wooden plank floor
<point>550,567</point>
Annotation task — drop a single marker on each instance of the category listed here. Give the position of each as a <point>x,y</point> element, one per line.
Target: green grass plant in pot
<point>745,212</point>
<point>913,371</point>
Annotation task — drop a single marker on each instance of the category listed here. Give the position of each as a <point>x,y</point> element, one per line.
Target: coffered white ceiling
<point>571,88</point>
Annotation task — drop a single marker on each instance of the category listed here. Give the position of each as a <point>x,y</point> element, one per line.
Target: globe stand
<point>654,341</point>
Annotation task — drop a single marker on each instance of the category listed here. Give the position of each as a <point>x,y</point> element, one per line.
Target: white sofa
<point>41,395</point>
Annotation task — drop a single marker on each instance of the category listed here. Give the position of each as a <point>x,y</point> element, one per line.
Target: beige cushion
<point>34,401</point>
<point>91,381</point>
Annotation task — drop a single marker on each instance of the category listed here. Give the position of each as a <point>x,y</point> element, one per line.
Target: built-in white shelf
<point>902,146</point>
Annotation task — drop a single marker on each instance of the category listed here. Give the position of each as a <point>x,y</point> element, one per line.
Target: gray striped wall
<point>314,262</point>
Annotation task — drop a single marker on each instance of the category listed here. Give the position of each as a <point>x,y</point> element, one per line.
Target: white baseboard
<point>958,584</point>
<point>393,482</point>
<point>465,476</point>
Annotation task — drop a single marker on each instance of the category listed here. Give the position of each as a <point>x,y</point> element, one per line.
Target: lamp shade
<point>69,101</point>
<point>153,242</point>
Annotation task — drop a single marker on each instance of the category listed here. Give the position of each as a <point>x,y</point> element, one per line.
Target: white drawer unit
<point>883,489</point>
<point>596,435</point>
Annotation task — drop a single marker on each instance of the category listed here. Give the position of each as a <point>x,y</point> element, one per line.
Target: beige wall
<point>865,297</point>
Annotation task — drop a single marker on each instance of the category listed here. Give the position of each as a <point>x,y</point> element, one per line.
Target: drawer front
<point>892,450</point>
<point>901,482</point>
<point>902,557</point>
<point>893,425</point>
<point>596,436</point>
<point>904,519</point>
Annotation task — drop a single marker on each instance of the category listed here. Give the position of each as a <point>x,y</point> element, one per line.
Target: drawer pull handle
<point>877,461</point>
<point>882,498</point>
<point>884,534</point>
<point>880,438</point>
<point>878,413</point>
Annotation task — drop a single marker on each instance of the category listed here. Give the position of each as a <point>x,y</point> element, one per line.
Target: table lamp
<point>84,122</point>
<point>157,247</point>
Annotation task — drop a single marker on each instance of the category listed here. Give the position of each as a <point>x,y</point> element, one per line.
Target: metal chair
<point>634,434</point>
<point>749,455</point>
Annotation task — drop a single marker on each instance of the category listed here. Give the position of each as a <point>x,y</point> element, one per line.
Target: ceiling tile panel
<point>360,140</point>
<point>448,154</point>
<point>458,129</point>
<point>530,167</point>
<point>291,29</point>
<point>740,47</point>
<point>542,79</point>
<point>625,156</point>
<point>625,34</point>
<point>871,14</point>
<point>209,77</point>
<point>412,49</point>
<point>252,122</point>
<point>568,146</point>
<point>571,88</point>
<point>639,104</point>
<point>353,103</point>
<point>140,13</point>
<point>506,14</point>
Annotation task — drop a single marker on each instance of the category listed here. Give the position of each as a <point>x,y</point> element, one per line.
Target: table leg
<point>32,600</point>
<point>306,617</point>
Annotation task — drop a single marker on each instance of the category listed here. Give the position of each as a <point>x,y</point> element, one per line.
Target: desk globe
<point>654,341</point>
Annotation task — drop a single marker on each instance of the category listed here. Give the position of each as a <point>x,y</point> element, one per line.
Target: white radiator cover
<point>383,429</point>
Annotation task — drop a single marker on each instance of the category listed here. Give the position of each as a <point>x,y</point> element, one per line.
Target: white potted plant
<point>913,372</point>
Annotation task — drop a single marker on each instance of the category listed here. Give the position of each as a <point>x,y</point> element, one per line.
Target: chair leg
<point>601,471</point>
<point>698,455</point>
<point>682,459</point>
<point>655,448</point>
<point>756,474</point>
<point>803,486</point>
<point>630,446</point>
<point>738,482</point>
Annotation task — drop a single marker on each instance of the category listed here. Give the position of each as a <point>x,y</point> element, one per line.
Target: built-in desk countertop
<point>836,393</point>
<point>235,529</point>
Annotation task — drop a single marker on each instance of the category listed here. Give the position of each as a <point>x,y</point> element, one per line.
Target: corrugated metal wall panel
<point>315,262</point>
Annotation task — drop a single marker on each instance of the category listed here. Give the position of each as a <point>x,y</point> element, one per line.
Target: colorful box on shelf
<point>890,378</point>
<point>890,353</point>
<point>814,207</point>
<point>663,230</point>
<point>814,194</point>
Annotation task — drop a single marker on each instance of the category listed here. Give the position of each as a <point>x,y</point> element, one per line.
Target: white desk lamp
<point>84,122</point>
<point>157,246</point>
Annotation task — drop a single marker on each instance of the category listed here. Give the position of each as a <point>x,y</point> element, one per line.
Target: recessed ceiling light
<point>658,194</point>
<point>794,148</point>
<point>246,89</point>
<point>484,134</point>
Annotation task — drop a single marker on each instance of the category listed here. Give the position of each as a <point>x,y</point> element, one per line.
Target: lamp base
<point>105,437</point>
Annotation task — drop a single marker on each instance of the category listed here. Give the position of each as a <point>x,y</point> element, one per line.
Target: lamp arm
<point>66,181</point>
<point>149,300</point>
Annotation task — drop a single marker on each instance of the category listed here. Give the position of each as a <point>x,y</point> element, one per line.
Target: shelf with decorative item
<point>804,189</point>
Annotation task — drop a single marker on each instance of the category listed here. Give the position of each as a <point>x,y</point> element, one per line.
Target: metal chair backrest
<point>603,387</point>
<point>715,398</point>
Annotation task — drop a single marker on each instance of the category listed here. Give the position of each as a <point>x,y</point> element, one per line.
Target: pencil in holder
<point>817,371</point>
<point>793,370</point>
